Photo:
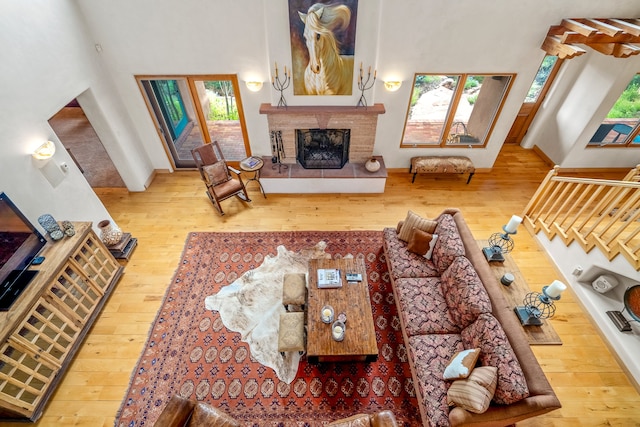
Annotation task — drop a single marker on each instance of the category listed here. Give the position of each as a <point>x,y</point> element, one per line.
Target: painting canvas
<point>323,35</point>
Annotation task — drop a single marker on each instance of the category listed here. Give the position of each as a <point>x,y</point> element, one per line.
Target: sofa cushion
<point>217,173</point>
<point>413,220</point>
<point>475,392</point>
<point>464,292</point>
<point>423,307</point>
<point>487,334</point>
<point>449,245</point>
<point>431,354</point>
<point>403,263</point>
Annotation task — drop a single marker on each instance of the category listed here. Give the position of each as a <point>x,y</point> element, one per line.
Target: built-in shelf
<point>626,345</point>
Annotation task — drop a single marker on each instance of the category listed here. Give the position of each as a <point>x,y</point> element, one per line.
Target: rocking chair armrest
<point>234,170</point>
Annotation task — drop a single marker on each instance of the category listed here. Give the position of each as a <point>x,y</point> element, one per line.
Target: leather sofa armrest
<point>176,413</point>
<point>383,419</point>
<point>207,415</point>
<point>358,420</point>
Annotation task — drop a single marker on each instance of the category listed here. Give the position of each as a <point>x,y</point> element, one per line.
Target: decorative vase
<point>110,234</point>
<point>372,165</point>
<point>69,229</point>
<point>51,226</point>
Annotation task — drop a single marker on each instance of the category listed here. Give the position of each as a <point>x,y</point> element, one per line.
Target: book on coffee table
<point>329,278</point>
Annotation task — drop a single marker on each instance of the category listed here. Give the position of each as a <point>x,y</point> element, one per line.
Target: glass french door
<point>171,104</point>
<point>193,110</point>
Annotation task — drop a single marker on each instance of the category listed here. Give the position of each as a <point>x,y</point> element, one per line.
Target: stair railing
<point>594,212</point>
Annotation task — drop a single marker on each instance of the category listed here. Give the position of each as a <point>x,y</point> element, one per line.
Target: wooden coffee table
<point>359,343</point>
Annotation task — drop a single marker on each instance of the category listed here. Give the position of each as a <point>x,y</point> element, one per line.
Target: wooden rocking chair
<point>216,175</point>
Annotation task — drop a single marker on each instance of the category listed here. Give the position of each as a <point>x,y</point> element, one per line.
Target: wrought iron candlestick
<point>365,85</point>
<point>281,85</point>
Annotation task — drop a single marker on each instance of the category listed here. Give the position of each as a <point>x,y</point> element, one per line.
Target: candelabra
<point>281,85</point>
<point>502,243</point>
<point>538,305</point>
<point>365,85</point>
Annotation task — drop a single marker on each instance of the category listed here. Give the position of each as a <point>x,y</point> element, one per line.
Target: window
<point>454,110</point>
<point>542,76</point>
<point>621,126</point>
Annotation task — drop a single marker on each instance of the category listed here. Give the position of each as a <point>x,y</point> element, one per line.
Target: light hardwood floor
<point>590,384</point>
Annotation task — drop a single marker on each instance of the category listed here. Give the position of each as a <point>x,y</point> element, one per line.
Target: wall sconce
<point>540,305</point>
<point>392,85</point>
<point>53,172</point>
<point>254,86</point>
<point>44,152</point>
<point>500,243</point>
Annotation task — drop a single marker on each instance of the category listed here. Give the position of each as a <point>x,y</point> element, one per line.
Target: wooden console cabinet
<point>44,328</point>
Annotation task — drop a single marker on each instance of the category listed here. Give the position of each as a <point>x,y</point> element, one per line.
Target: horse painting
<point>328,72</point>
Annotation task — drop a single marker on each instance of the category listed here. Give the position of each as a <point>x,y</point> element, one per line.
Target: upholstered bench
<point>441,164</point>
<point>291,336</point>
<point>294,291</point>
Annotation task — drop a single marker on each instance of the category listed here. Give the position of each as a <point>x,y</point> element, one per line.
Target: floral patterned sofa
<point>452,302</point>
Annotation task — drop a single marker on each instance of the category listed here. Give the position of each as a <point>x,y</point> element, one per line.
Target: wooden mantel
<point>319,109</point>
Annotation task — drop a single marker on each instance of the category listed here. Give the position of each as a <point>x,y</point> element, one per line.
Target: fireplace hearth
<point>322,148</point>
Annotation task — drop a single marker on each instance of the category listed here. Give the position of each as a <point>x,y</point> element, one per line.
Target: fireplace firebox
<point>322,148</point>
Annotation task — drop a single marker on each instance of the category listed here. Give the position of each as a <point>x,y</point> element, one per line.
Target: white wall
<point>49,58</point>
<point>574,108</point>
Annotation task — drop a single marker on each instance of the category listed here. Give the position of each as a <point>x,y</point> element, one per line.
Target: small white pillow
<point>461,364</point>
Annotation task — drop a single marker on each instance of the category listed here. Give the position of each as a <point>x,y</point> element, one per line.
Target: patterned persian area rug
<point>189,351</point>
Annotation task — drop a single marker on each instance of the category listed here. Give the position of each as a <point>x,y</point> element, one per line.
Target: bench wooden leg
<point>414,177</point>
<point>470,176</point>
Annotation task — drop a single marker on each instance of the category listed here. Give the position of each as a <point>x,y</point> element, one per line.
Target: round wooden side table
<point>253,164</point>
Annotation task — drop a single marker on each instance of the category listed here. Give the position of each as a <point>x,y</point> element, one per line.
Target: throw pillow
<point>217,172</point>
<point>461,364</point>
<point>474,393</point>
<point>422,243</point>
<point>412,221</point>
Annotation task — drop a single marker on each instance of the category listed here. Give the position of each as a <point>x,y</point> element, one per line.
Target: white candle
<point>337,330</point>
<point>513,224</point>
<point>326,312</point>
<point>555,289</point>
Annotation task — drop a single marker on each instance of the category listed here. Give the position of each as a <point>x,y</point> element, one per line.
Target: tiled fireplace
<point>341,136</point>
<point>361,122</point>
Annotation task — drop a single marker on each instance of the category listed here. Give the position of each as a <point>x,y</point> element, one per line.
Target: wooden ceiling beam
<point>603,27</point>
<point>627,27</point>
<point>617,50</point>
<point>626,50</point>
<point>579,27</point>
<point>616,37</point>
<point>553,46</point>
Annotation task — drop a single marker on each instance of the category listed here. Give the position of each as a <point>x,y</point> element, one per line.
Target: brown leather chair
<point>217,175</point>
<point>181,412</point>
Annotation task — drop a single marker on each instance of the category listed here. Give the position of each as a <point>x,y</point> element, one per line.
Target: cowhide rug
<point>252,305</point>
